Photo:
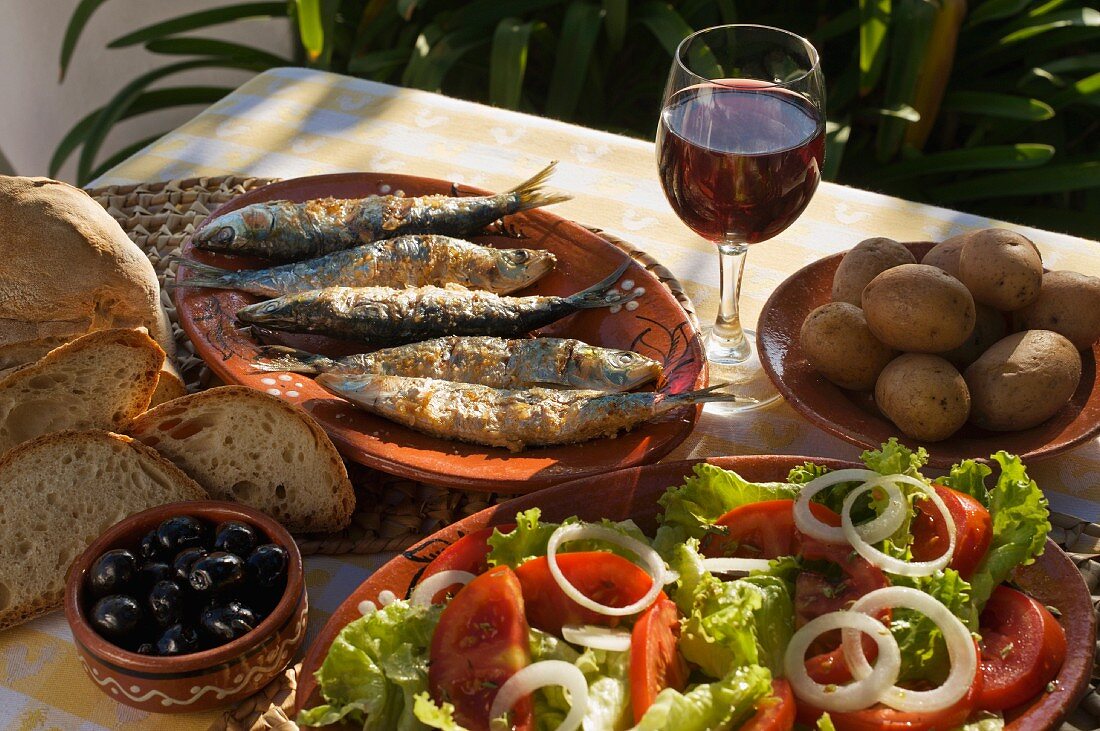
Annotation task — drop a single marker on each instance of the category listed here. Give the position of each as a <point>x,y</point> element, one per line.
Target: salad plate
<point>1052,579</point>
<point>853,416</point>
<point>654,325</point>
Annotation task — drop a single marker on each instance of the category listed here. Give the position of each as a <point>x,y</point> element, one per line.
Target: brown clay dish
<point>853,416</point>
<point>632,493</point>
<point>202,680</point>
<point>658,328</point>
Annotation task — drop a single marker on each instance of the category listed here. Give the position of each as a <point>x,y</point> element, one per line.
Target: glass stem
<point>727,342</point>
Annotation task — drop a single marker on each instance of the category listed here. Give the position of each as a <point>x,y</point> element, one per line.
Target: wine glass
<point>740,145</point>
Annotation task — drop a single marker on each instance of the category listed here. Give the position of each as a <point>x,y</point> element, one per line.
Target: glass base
<point>738,366</point>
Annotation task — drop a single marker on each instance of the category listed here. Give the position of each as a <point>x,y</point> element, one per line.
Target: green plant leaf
<point>1047,179</point>
<point>311,28</point>
<point>77,21</point>
<point>150,101</point>
<point>912,22</point>
<point>508,62</point>
<point>992,104</point>
<point>1086,90</point>
<point>614,19</point>
<point>123,154</point>
<point>995,10</point>
<point>436,52</point>
<point>1077,18</point>
<point>201,19</point>
<point>184,46</point>
<point>836,140</point>
<point>900,111</point>
<point>486,14</point>
<point>994,157</point>
<point>113,110</point>
<point>406,8</point>
<point>378,62</point>
<point>874,22</point>
<point>665,24</point>
<point>579,31</point>
<point>838,25</point>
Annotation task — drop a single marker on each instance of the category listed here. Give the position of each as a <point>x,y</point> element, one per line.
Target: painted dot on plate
<point>627,284</point>
<point>386,597</point>
<point>292,394</point>
<point>631,306</point>
<point>384,188</point>
<point>639,291</point>
<point>285,377</point>
<point>135,689</point>
<point>267,381</point>
<point>274,391</point>
<point>367,607</point>
<point>614,308</point>
<point>297,385</point>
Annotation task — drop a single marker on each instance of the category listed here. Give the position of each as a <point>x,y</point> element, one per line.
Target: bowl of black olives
<point>187,606</point>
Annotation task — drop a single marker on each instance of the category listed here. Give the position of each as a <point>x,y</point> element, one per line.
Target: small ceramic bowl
<point>202,680</point>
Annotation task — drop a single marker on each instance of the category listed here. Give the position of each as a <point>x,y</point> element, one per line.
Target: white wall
<point>36,111</point>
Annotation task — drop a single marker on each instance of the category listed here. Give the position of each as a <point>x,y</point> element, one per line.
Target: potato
<point>924,395</point>
<point>838,343</point>
<point>918,308</point>
<point>1001,269</point>
<point>863,263</point>
<point>989,327</point>
<point>1068,304</point>
<point>1023,380</point>
<point>945,255</point>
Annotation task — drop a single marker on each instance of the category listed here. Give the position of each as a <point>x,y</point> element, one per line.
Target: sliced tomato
<point>774,713</point>
<point>820,592</point>
<point>831,668</point>
<point>758,530</point>
<point>883,718</point>
<point>1023,648</point>
<point>480,642</point>
<point>973,530</point>
<point>468,553</point>
<point>655,661</point>
<point>603,577</point>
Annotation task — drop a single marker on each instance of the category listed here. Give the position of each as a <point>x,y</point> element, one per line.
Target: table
<point>292,122</point>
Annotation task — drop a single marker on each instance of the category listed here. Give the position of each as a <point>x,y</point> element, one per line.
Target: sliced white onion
<point>805,520</point>
<point>859,694</point>
<point>897,509</point>
<point>541,675</point>
<point>426,590</point>
<point>886,562</point>
<point>736,565</point>
<point>960,650</point>
<point>613,639</point>
<point>651,561</point>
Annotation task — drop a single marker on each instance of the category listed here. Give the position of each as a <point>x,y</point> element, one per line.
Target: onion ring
<point>541,675</point>
<point>654,565</point>
<point>426,590</point>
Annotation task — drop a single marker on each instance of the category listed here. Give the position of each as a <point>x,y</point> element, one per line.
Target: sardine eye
<point>624,358</point>
<point>518,256</point>
<point>225,235</point>
<point>271,306</point>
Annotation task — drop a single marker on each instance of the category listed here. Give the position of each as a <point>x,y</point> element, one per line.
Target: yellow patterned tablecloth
<point>292,122</point>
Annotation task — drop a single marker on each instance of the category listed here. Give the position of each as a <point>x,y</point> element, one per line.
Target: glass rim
<point>815,57</point>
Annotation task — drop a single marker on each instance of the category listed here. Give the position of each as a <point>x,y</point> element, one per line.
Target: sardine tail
<point>531,194</point>
<point>273,358</point>
<point>703,396</point>
<point>599,294</point>
<point>203,275</point>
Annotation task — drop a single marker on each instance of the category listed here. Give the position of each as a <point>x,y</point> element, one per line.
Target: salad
<point>854,599</point>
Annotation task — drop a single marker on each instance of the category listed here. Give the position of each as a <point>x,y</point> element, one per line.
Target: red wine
<point>739,160</point>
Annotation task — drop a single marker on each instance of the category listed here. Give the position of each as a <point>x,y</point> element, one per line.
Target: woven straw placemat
<point>393,513</point>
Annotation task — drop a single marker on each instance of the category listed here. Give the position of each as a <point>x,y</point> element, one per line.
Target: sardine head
<point>517,268</point>
<point>234,231</point>
<point>603,368</point>
<point>272,313</point>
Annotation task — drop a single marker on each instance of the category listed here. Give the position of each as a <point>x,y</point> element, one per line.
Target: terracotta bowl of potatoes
<point>965,347</point>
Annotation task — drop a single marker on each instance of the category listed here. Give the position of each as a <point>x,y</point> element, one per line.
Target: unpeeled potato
<point>837,342</point>
<point>918,308</point>
<point>1068,304</point>
<point>864,262</point>
<point>1001,268</point>
<point>924,395</point>
<point>989,327</point>
<point>945,255</point>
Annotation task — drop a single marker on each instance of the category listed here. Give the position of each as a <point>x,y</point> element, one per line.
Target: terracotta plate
<point>633,493</point>
<point>658,328</point>
<point>854,417</point>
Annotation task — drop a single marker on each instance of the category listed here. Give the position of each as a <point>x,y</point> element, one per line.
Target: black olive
<point>116,617</point>
<point>236,537</point>
<point>182,563</point>
<point>112,572</point>
<point>147,648</point>
<point>216,571</point>
<point>179,639</point>
<point>267,564</point>
<point>180,532</point>
<point>166,603</point>
<point>226,623</point>
<point>150,547</point>
<point>150,573</point>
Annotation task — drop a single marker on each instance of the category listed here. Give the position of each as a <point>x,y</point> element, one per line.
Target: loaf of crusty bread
<point>59,493</point>
<point>241,444</point>
<point>100,381</point>
<point>68,269</point>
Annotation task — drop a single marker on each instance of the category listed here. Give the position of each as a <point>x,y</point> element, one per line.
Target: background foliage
<point>991,108</point>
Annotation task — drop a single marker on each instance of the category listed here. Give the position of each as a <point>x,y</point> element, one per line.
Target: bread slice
<point>169,386</point>
<point>58,493</point>
<point>241,444</point>
<point>99,381</point>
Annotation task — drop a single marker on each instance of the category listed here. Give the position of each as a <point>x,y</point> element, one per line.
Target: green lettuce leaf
<point>375,667</point>
<point>531,535</point>
<point>1021,522</point>
<point>725,703</point>
<point>825,723</point>
<point>428,713</point>
<point>968,477</point>
<point>987,722</point>
<point>894,458</point>
<point>608,676</point>
<point>923,651</point>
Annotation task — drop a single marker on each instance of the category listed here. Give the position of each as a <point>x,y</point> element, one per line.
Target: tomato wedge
<point>1023,647</point>
<point>468,553</point>
<point>973,530</point>
<point>603,577</point>
<point>775,713</point>
<point>655,662</point>
<point>817,592</point>
<point>480,642</point>
<point>760,530</point>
